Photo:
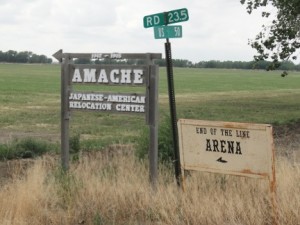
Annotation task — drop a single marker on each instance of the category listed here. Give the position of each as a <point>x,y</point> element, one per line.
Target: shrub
<point>75,143</point>
<point>29,147</point>
<point>24,148</point>
<point>165,142</point>
<point>5,152</point>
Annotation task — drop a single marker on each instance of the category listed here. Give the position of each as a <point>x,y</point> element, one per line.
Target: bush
<point>24,148</point>
<point>29,147</point>
<point>74,143</point>
<point>165,142</point>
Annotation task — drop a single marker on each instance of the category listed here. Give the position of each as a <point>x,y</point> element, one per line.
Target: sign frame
<point>151,96</point>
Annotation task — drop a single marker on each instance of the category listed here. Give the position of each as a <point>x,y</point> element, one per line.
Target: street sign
<point>165,18</point>
<point>177,16</point>
<point>163,32</point>
<point>154,20</point>
<point>160,21</point>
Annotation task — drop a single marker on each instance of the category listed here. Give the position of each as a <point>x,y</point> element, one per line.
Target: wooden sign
<point>229,148</point>
<point>145,103</point>
<point>242,149</point>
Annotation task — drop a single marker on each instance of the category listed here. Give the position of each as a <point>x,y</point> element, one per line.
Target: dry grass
<point>113,188</point>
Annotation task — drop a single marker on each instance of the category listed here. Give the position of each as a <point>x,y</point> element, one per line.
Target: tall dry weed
<point>113,188</point>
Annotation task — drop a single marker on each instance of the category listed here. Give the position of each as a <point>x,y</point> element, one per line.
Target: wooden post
<point>153,121</point>
<point>272,182</point>
<point>274,202</point>
<point>65,114</point>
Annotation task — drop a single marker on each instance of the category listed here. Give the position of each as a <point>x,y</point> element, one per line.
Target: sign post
<point>122,103</point>
<point>172,103</point>
<point>65,114</point>
<point>160,21</point>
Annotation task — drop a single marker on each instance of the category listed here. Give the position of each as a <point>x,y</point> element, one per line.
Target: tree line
<point>12,56</point>
<point>260,65</point>
<point>214,64</point>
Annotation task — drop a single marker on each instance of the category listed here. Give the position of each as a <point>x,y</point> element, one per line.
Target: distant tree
<point>2,56</point>
<point>287,65</point>
<point>181,63</point>
<point>42,59</point>
<point>260,65</point>
<point>160,62</point>
<point>279,41</point>
<point>212,64</point>
<point>12,56</point>
<point>34,58</point>
<point>23,57</point>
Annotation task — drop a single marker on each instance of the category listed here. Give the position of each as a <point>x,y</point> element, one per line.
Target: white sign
<point>122,103</point>
<point>225,147</point>
<point>109,75</point>
<point>116,76</point>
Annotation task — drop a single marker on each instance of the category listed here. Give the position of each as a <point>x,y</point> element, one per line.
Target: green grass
<point>236,95</point>
<point>30,102</point>
<point>223,80</point>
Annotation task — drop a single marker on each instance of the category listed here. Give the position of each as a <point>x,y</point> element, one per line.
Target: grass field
<point>111,186</point>
<point>30,102</point>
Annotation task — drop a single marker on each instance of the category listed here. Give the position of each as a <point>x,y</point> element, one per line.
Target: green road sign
<point>154,20</point>
<point>164,32</point>
<point>165,18</point>
<point>177,16</point>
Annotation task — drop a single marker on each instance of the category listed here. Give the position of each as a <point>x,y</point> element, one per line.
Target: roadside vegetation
<point>25,148</point>
<point>111,187</point>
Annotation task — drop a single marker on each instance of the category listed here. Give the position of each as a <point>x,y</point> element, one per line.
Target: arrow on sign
<point>221,160</point>
<point>58,55</point>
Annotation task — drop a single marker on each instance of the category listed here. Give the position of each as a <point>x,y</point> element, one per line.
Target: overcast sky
<point>216,30</point>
